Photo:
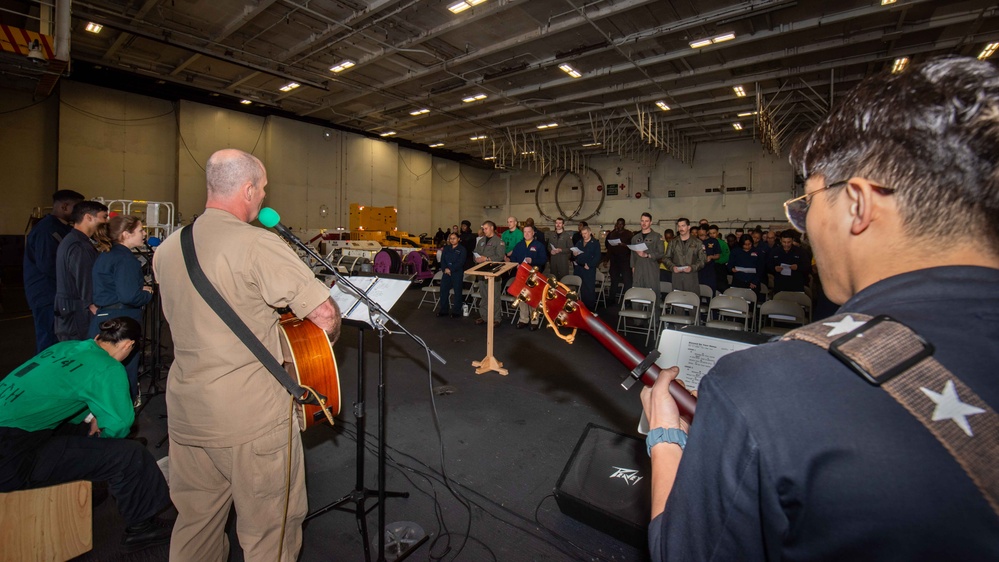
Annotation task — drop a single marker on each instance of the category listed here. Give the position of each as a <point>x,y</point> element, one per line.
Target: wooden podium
<point>490,270</point>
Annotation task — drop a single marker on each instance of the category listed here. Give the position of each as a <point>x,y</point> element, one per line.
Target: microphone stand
<point>379,319</point>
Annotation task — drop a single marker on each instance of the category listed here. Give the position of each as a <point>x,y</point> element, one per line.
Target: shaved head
<point>230,168</point>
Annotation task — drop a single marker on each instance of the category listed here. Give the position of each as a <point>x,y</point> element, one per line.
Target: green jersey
<point>66,381</point>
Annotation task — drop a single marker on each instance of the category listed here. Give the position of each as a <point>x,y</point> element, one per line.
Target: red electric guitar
<point>562,308</point>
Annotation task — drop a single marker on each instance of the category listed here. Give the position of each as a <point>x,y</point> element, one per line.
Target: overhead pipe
<point>63,19</point>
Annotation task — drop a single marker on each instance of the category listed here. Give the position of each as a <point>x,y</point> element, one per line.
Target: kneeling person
<point>69,383</point>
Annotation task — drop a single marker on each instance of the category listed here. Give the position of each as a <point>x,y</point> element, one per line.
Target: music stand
<point>490,270</point>
<point>385,290</point>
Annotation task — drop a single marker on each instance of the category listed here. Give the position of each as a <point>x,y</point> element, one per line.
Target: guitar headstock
<point>559,303</point>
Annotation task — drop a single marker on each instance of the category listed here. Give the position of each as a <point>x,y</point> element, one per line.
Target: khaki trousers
<point>206,481</point>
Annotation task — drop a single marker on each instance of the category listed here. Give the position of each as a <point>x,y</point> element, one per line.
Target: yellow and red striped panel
<point>16,40</point>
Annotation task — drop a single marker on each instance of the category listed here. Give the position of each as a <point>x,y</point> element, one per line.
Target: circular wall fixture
<point>571,195</point>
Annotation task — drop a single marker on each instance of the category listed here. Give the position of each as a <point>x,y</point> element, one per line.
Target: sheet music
<point>381,290</point>
<point>640,247</point>
<point>614,241</point>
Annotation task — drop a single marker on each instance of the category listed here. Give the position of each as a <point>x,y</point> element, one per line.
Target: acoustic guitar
<point>309,358</point>
<point>563,309</point>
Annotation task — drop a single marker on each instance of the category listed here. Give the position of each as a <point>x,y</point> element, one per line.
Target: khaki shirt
<point>218,394</point>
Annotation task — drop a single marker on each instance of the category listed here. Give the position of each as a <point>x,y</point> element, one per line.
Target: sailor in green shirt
<point>42,403</point>
<point>512,236</point>
<point>721,270</point>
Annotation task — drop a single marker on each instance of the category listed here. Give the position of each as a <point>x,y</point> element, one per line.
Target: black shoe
<point>534,327</point>
<point>441,314</point>
<point>521,325</point>
<point>149,533</point>
<point>455,315</point>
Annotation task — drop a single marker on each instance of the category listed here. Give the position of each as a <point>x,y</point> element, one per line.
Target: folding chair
<point>433,290</point>
<point>681,308</point>
<point>749,296</point>
<point>803,300</point>
<point>601,288</point>
<point>639,296</point>
<point>724,306</point>
<point>574,282</point>
<point>665,287</point>
<point>789,314</point>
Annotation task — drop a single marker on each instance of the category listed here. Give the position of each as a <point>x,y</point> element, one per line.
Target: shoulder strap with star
<point>887,353</point>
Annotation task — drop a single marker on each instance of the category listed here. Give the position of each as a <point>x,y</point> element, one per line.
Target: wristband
<point>663,435</point>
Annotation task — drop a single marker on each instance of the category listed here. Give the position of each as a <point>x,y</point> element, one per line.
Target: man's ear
<point>246,190</point>
<point>862,197</point>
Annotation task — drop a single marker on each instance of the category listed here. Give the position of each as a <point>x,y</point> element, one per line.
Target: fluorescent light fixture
<point>662,105</point>
<point>416,112</point>
<point>887,2</point>
<point>245,102</point>
<point>478,138</point>
<point>737,126</point>
<point>437,145</point>
<point>591,144</point>
<point>459,7</point>
<point>568,69</point>
<point>387,134</point>
<point>476,97</point>
<point>899,65</point>
<point>698,43</point>
<point>343,66</point>
<point>746,114</point>
<point>489,158</point>
<point>548,126</point>
<point>94,27</point>
<point>289,86</point>
<point>739,91</point>
<point>987,51</point>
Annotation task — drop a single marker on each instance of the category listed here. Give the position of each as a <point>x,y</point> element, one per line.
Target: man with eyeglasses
<point>796,454</point>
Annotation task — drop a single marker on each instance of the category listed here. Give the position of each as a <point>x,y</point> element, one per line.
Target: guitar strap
<point>217,303</point>
<point>889,354</point>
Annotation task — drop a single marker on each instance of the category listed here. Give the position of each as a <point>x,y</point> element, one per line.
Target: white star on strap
<point>844,326</point>
<point>950,407</point>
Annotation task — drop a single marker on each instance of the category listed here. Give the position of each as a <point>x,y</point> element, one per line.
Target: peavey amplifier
<point>606,484</point>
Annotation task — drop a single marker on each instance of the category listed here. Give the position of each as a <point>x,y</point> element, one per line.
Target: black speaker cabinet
<point>606,484</point>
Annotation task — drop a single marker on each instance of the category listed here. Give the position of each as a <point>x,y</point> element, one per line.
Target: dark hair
<point>714,226</point>
<point>745,237</point>
<point>738,230</point>
<point>121,224</point>
<point>929,133</point>
<point>67,196</point>
<point>86,208</point>
<point>647,215</point>
<point>466,223</point>
<point>584,223</point>
<point>531,226</point>
<point>118,329</point>
<point>490,223</point>
<point>668,231</point>
<point>683,219</point>
<point>789,233</point>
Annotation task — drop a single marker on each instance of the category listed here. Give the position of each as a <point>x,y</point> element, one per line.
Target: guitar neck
<point>631,358</point>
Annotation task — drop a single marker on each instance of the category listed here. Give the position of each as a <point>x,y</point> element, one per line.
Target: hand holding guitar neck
<point>561,307</point>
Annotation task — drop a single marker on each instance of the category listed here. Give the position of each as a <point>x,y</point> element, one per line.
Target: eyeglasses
<point>797,209</point>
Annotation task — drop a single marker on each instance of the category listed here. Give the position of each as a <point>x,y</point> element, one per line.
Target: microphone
<point>271,219</point>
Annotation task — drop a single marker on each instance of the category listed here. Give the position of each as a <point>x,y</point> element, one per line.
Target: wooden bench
<point>54,523</point>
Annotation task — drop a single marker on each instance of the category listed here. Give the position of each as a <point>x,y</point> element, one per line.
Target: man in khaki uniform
<point>230,421</point>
